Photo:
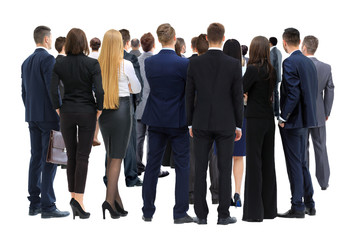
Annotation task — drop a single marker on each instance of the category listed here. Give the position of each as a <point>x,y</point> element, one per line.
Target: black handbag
<point>56,150</point>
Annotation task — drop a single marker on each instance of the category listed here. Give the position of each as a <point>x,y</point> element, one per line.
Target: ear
<point>224,38</point>
<point>207,38</point>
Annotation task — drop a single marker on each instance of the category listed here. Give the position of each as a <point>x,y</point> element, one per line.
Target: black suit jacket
<point>134,59</point>
<point>215,80</point>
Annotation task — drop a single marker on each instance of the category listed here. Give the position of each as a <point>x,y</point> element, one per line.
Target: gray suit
<point>276,61</point>
<point>142,128</point>
<point>323,108</point>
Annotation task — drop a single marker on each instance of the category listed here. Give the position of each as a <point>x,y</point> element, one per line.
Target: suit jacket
<point>61,84</point>
<point>137,53</point>
<point>193,56</point>
<point>276,61</point>
<point>166,73</point>
<point>215,80</point>
<point>146,88</point>
<point>36,76</point>
<point>298,91</point>
<point>325,91</point>
<point>130,57</point>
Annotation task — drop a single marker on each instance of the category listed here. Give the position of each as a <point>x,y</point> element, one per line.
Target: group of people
<point>197,106</point>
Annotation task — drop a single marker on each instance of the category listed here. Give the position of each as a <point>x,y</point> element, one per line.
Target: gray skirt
<point>115,126</point>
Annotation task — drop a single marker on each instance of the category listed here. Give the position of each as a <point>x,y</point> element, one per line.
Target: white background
<point>335,23</point>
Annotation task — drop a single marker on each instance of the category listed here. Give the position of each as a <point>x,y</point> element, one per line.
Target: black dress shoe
<point>252,220</point>
<point>292,214</point>
<point>310,211</point>
<point>215,201</point>
<point>200,221</point>
<point>163,174</point>
<point>54,214</point>
<point>324,188</point>
<point>34,211</point>
<point>147,219</point>
<point>226,221</point>
<point>185,219</point>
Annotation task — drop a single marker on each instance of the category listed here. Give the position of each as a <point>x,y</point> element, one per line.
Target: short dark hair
<point>202,44</point>
<point>59,43</point>
<point>40,32</point>
<point>244,50</point>
<point>76,42</point>
<point>194,42</point>
<point>291,36</point>
<point>311,43</point>
<point>125,35</point>
<point>232,48</point>
<point>95,44</point>
<point>147,42</point>
<point>273,41</point>
<point>135,42</point>
<point>215,32</point>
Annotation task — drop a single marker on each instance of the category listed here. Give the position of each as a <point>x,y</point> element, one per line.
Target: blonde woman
<point>116,121</point>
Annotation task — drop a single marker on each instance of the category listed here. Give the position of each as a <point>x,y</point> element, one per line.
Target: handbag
<point>56,150</point>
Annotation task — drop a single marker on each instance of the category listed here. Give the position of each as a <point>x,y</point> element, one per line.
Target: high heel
<point>113,214</point>
<point>120,210</point>
<point>78,210</point>
<point>237,200</point>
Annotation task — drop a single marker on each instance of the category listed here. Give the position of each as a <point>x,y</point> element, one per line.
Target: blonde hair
<point>165,33</point>
<point>111,55</point>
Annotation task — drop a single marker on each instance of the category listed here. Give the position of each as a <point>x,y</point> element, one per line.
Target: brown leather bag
<point>56,150</point>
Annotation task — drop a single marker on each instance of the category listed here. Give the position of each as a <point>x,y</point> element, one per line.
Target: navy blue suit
<point>165,115</point>
<point>298,108</point>
<point>36,74</point>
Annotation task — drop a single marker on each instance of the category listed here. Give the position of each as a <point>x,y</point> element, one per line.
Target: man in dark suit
<point>36,74</point>
<point>214,79</point>
<point>324,103</point>
<point>298,113</point>
<point>165,115</point>
<point>276,61</point>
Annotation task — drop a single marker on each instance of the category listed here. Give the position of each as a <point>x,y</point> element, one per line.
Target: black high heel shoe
<point>113,214</point>
<point>78,210</point>
<point>120,210</point>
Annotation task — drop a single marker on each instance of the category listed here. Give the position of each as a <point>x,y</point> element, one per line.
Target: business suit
<point>61,85</point>
<point>165,115</point>
<point>298,109</point>
<point>276,61</point>
<point>214,79</point>
<point>324,103</point>
<point>36,76</point>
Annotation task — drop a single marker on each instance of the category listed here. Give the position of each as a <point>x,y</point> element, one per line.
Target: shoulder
<point>128,64</point>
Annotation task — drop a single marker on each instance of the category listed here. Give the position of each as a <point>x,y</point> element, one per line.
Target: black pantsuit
<point>260,200</point>
<point>78,132</point>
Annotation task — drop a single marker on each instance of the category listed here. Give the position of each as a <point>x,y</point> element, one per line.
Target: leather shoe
<point>310,211</point>
<point>252,220</point>
<point>146,219</point>
<point>163,174</point>
<point>200,221</point>
<point>54,214</point>
<point>34,211</point>
<point>185,219</point>
<point>292,214</point>
<point>226,221</point>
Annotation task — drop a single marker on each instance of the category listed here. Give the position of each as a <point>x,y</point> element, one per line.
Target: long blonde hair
<point>111,55</point>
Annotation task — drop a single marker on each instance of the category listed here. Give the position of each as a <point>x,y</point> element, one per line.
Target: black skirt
<point>115,126</point>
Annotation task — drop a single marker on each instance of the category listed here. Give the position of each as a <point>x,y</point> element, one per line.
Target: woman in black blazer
<point>78,111</point>
<point>260,197</point>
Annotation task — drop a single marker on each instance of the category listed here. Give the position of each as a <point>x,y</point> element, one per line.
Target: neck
<point>42,45</point>
<point>293,48</point>
<point>216,45</point>
<point>168,46</point>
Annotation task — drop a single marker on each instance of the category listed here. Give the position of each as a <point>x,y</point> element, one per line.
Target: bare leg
<point>96,142</point>
<point>79,198</point>
<point>238,168</point>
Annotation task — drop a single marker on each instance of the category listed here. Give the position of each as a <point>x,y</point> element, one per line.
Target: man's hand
<point>238,135</point>
<point>58,111</point>
<point>282,125</point>
<point>190,132</point>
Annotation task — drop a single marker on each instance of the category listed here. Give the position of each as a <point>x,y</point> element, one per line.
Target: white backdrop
<point>333,22</point>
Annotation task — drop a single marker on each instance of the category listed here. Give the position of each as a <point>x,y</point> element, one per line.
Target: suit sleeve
<point>54,91</point>
<point>23,91</point>
<point>328,95</point>
<point>136,66</point>
<point>190,94</point>
<point>237,95</point>
<point>293,92</point>
<point>98,85</point>
<point>248,78</point>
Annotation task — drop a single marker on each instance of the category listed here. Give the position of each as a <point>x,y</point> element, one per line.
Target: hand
<point>130,88</point>
<point>238,135</point>
<point>190,132</point>
<point>99,112</point>
<point>58,111</point>
<point>326,118</point>
<point>245,98</point>
<point>282,125</point>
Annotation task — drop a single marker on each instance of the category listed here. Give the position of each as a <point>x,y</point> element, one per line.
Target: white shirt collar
<point>272,48</point>
<point>168,49</point>
<point>311,56</point>
<point>215,48</point>
<point>42,48</point>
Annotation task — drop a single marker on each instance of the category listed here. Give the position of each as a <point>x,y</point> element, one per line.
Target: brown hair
<point>40,32</point>
<point>125,35</point>
<point>215,32</point>
<point>165,33</point>
<point>202,44</point>
<point>95,44</point>
<point>291,36</point>
<point>76,42</point>
<point>311,43</point>
<point>259,55</point>
<point>59,43</point>
<point>147,42</point>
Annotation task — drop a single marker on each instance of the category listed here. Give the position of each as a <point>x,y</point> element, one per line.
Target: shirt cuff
<point>280,118</point>
<point>189,127</point>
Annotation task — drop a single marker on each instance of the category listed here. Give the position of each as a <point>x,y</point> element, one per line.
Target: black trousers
<point>78,132</point>
<point>203,141</point>
<point>260,197</point>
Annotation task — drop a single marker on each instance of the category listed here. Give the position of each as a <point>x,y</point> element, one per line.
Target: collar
<point>294,51</point>
<point>272,48</point>
<point>215,48</point>
<point>168,49</point>
<point>42,48</point>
